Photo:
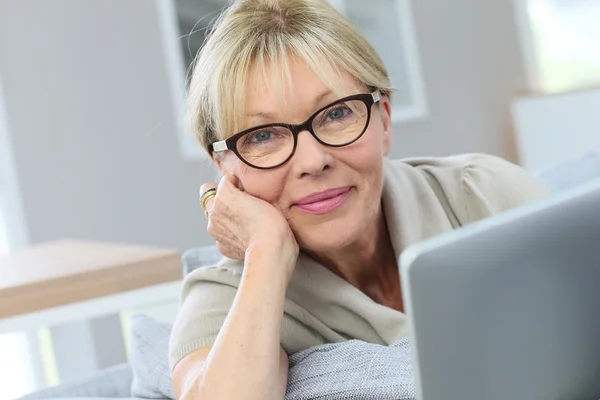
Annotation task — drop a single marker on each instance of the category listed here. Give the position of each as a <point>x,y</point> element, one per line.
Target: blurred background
<point>93,145</point>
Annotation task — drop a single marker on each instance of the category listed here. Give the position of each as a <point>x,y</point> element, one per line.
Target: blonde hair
<point>262,34</point>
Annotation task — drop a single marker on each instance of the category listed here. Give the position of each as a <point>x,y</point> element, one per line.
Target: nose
<point>311,157</point>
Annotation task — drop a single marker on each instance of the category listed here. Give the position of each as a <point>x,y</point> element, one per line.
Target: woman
<point>293,105</point>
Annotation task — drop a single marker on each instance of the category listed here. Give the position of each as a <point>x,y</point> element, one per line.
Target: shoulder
<point>480,185</point>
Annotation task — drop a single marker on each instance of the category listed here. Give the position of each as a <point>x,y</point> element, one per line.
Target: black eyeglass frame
<point>230,143</point>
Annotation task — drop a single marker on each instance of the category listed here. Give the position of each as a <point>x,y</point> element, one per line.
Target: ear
<point>219,159</point>
<point>385,111</point>
<point>226,165</point>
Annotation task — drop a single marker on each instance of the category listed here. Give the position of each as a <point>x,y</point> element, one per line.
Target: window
<point>564,37</point>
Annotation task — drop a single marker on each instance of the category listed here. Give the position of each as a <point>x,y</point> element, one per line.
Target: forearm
<point>245,359</point>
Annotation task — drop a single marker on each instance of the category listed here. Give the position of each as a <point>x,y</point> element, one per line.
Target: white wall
<point>92,124</point>
<point>93,134</point>
<point>472,69</point>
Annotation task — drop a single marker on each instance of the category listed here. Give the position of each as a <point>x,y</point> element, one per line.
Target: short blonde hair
<point>262,34</point>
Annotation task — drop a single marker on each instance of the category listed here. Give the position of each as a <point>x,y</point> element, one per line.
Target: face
<point>329,196</point>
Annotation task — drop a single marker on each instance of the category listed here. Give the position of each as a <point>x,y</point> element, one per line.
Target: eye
<point>338,113</point>
<point>259,136</point>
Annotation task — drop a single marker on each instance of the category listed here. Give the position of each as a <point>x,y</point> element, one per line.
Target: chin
<point>328,236</point>
<point>331,231</point>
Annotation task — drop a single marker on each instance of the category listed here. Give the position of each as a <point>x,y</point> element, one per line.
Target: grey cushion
<point>200,257</point>
<point>348,370</point>
<point>149,358</point>
<point>114,382</point>
<point>352,370</point>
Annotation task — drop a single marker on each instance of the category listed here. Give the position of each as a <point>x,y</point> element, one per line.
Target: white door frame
<point>15,224</point>
<point>13,228</point>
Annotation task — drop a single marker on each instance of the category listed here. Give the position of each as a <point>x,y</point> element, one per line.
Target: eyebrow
<point>271,116</point>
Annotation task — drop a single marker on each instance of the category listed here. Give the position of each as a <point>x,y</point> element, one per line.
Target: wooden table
<point>66,280</point>
<point>66,285</point>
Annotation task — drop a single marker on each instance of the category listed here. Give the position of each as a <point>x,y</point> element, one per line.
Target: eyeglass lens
<point>339,124</point>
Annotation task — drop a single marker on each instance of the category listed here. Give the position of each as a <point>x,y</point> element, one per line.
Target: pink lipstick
<point>323,202</point>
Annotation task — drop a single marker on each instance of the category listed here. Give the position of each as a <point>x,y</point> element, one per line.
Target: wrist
<point>271,251</point>
<point>276,243</point>
<point>272,257</point>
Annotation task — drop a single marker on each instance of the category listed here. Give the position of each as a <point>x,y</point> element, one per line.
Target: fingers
<point>226,183</point>
<point>231,180</point>
<point>222,225</point>
<point>209,203</point>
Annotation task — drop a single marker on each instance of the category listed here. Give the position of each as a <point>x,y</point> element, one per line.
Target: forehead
<point>293,89</point>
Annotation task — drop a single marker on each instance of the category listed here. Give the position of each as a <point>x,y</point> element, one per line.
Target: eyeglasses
<point>338,124</point>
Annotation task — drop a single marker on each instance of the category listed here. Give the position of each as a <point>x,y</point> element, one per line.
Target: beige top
<point>421,198</point>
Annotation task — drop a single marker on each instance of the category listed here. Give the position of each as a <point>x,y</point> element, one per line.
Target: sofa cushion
<point>113,382</point>
<point>352,370</point>
<point>200,257</point>
<point>348,370</point>
<point>93,398</point>
<point>149,359</point>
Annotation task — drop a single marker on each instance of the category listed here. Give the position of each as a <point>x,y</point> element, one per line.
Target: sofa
<point>349,370</point>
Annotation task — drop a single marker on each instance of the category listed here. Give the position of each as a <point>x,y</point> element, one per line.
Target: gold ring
<point>207,194</point>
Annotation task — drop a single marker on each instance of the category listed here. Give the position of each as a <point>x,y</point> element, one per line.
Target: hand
<point>239,222</point>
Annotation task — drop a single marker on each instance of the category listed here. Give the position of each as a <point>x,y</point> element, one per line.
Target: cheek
<point>366,157</point>
<point>367,163</point>
<point>265,185</point>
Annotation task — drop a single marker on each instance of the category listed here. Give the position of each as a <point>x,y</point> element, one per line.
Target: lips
<point>323,202</point>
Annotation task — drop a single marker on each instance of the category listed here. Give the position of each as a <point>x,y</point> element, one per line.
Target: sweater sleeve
<point>477,186</point>
<point>207,295</point>
<point>490,185</point>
